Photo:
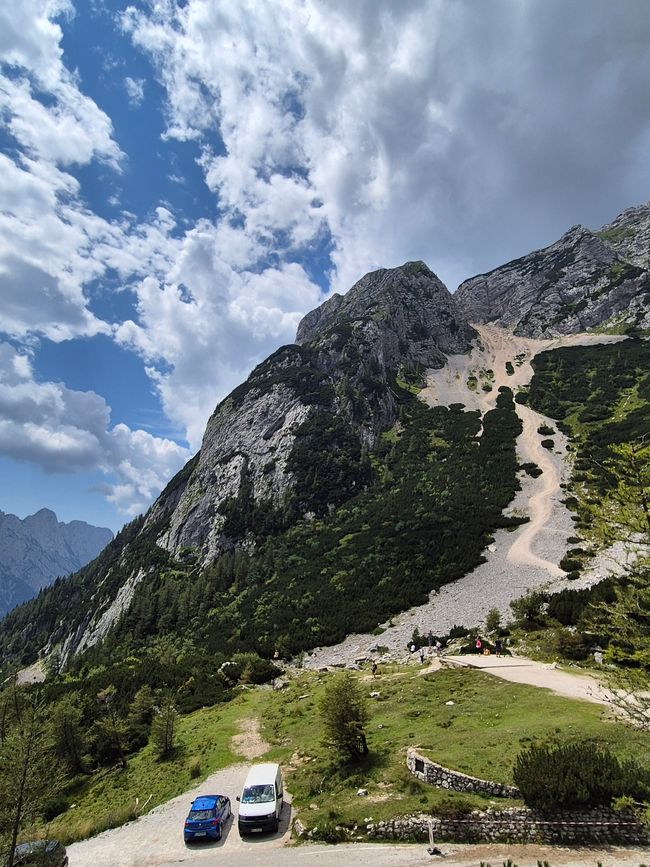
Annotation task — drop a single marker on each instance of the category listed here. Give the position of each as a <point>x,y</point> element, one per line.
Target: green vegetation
<point>566,776</point>
<point>616,234</point>
<point>600,396</point>
<point>345,714</point>
<point>114,796</point>
<point>490,722</point>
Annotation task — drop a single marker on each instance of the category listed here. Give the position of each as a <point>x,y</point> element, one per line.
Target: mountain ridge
<point>311,429</point>
<point>583,280</point>
<point>38,549</point>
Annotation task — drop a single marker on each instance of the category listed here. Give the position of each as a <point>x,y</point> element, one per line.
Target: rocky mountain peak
<point>325,399</point>
<point>36,550</point>
<point>629,235</point>
<point>585,279</point>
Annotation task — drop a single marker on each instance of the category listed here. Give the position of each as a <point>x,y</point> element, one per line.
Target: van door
<point>279,793</point>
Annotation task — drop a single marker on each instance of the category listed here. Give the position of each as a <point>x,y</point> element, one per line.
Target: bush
<point>249,668</point>
<point>194,767</point>
<point>545,430</point>
<point>570,564</point>
<point>547,444</point>
<point>571,645</point>
<point>574,775</point>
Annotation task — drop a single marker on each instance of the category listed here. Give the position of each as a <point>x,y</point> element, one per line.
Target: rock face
<point>38,549</point>
<point>583,281</point>
<point>324,399</point>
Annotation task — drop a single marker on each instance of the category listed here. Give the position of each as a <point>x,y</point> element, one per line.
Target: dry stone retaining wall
<point>519,825</point>
<point>444,778</point>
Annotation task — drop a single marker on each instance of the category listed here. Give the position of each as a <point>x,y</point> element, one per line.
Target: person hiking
<point>422,655</point>
<point>478,644</point>
<point>374,668</point>
<point>498,648</point>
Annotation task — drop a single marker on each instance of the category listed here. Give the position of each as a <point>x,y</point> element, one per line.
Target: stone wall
<point>444,778</point>
<point>518,825</point>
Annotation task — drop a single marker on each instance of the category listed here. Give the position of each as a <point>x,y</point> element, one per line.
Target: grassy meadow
<point>480,734</point>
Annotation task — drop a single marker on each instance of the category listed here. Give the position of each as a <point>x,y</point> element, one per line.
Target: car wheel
<point>220,831</point>
<point>275,827</point>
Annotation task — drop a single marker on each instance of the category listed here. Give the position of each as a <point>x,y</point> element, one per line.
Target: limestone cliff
<point>325,398</point>
<point>583,281</point>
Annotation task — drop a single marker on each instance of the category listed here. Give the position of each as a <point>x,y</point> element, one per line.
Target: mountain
<point>583,281</point>
<point>324,399</point>
<point>325,497</point>
<point>36,550</point>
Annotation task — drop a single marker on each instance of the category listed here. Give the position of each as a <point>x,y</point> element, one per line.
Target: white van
<point>261,799</point>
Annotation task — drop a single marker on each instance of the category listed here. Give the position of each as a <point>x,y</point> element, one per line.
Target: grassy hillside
<point>480,734</point>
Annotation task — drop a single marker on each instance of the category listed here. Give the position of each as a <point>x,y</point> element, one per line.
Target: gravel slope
<point>518,561</point>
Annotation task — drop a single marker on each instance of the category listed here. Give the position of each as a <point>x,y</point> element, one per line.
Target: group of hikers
<point>434,646</point>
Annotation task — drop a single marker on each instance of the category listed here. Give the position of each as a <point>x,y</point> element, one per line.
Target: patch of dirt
<point>249,743</point>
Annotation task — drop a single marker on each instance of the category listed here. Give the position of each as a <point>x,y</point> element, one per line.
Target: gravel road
<point>157,837</point>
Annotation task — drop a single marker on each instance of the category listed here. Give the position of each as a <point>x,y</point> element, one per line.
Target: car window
<point>200,815</point>
<point>258,794</point>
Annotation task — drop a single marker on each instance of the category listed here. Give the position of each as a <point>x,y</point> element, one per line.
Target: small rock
<point>375,694</point>
<point>450,703</point>
<point>380,726</point>
<point>362,792</point>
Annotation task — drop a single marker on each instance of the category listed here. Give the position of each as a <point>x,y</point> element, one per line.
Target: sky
<point>182,180</point>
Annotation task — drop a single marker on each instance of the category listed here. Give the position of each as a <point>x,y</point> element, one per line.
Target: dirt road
<point>519,669</point>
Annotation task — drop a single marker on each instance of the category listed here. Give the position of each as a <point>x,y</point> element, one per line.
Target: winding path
<point>493,350</point>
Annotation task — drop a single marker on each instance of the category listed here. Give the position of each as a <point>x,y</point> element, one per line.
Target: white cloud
<point>63,431</point>
<point>461,133</point>
<point>135,90</point>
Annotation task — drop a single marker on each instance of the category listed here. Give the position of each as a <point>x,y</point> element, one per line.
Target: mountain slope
<point>38,549</point>
<point>324,496</point>
<point>582,281</point>
<point>325,399</point>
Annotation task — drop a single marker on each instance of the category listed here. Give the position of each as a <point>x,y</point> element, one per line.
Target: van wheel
<point>275,827</point>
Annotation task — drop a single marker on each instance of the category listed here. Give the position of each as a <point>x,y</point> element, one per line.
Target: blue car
<point>207,817</point>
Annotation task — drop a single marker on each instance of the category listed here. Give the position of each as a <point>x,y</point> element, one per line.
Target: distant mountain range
<point>284,531</point>
<point>38,549</point>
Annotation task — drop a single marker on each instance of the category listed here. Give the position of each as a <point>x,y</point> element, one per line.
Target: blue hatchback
<point>207,817</point>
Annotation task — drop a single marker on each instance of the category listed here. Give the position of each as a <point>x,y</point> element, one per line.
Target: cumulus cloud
<point>462,133</point>
<point>63,431</point>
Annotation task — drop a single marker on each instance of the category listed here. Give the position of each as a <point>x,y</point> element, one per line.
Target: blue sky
<point>181,181</point>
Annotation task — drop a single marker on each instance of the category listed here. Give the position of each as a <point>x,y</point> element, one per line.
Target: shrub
<point>493,620</point>
<point>529,610</point>
<point>547,444</point>
<point>573,775</point>
<point>570,564</point>
<point>194,767</point>
<point>545,430</point>
<point>571,645</point>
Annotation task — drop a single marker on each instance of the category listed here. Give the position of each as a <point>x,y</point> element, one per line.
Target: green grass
<point>480,734</point>
<point>108,798</point>
<point>490,721</point>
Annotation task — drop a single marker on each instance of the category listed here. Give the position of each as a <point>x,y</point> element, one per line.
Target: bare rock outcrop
<point>583,281</point>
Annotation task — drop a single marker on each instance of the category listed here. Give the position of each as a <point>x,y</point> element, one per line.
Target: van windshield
<point>258,794</point>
